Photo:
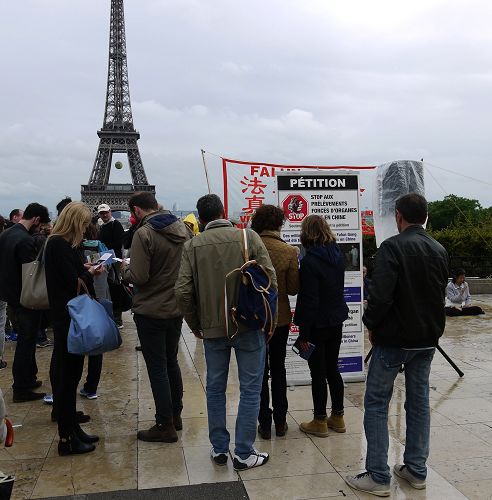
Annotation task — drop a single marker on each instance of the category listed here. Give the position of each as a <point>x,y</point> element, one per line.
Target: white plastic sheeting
<point>391,181</point>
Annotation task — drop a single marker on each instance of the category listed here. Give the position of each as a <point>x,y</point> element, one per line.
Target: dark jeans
<point>65,373</point>
<point>24,368</point>
<point>11,324</point>
<point>466,311</point>
<point>323,365</point>
<point>159,339</point>
<point>94,369</point>
<point>275,365</point>
<point>118,316</point>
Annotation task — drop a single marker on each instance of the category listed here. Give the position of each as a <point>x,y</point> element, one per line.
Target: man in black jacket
<point>405,319</point>
<point>112,234</point>
<point>17,247</point>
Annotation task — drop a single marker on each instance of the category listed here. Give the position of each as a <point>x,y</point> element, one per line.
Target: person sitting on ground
<point>458,298</point>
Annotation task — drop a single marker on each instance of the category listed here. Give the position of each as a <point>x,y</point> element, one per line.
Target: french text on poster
<point>334,197</point>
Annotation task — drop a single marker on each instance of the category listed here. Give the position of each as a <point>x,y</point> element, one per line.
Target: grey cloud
<point>279,81</point>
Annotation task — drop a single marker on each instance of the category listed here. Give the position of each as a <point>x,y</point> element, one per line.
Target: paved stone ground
<point>300,467</point>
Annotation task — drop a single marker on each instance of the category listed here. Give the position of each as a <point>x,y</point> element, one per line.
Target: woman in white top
<point>458,298</point>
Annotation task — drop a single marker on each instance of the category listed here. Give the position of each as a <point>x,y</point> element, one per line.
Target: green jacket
<point>155,255</point>
<point>206,261</point>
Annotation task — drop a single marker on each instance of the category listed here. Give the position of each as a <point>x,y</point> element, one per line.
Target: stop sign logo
<point>295,208</point>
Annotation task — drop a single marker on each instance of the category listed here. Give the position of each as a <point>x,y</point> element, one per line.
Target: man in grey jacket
<point>202,283</point>
<point>155,256</point>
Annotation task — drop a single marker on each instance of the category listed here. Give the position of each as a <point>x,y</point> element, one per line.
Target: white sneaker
<point>256,459</point>
<point>402,471</point>
<point>88,395</point>
<point>218,458</point>
<point>364,482</point>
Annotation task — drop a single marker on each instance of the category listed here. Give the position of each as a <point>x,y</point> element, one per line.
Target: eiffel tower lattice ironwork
<point>117,135</point>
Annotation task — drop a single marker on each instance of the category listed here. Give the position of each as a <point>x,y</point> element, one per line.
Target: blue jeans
<point>384,366</point>
<point>250,348</point>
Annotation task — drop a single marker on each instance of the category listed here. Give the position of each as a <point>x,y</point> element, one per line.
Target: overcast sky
<point>308,81</point>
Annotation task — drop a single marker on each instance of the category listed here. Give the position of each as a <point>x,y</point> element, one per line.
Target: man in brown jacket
<point>155,254</point>
<point>267,222</point>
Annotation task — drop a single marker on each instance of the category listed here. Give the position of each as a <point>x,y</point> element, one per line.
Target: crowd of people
<point>181,270</point>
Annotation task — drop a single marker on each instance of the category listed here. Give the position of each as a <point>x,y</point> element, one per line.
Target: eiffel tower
<point>117,135</point>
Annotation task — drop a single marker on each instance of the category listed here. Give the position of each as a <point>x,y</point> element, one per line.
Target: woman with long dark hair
<point>320,313</point>
<point>64,265</point>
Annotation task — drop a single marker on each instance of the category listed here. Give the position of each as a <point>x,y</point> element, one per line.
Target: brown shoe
<point>336,423</point>
<point>178,422</point>
<point>281,429</point>
<point>317,427</point>
<point>159,433</point>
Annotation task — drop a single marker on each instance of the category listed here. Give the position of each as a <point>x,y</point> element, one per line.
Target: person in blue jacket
<point>320,313</point>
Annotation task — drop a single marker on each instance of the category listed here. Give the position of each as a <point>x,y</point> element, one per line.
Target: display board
<point>335,196</point>
<point>249,185</point>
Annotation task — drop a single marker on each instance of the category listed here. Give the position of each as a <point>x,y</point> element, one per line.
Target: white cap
<point>103,208</point>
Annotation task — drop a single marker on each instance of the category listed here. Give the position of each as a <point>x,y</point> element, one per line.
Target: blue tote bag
<point>92,329</point>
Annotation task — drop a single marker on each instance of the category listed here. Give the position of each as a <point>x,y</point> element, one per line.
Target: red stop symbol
<point>295,208</point>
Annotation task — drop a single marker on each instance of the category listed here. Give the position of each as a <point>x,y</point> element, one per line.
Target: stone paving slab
<point>460,464</point>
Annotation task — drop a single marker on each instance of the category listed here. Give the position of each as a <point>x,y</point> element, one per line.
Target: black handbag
<point>121,294</point>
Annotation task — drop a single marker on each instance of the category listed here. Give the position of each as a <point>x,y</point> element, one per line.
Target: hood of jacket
<point>165,223</point>
<point>330,254</point>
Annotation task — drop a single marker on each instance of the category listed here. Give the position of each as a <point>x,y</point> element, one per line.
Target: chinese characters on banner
<point>248,185</point>
<point>334,196</point>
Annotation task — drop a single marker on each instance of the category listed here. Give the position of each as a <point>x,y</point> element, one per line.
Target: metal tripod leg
<point>450,361</point>
<point>439,348</point>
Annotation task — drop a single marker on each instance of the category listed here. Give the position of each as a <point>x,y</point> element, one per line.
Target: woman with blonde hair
<point>64,265</point>
<point>320,313</point>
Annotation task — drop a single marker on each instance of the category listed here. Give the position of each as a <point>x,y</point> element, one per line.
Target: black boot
<point>83,436</point>
<point>80,417</point>
<point>73,446</point>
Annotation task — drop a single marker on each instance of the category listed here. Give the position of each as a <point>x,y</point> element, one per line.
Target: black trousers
<point>65,373</point>
<point>24,368</point>
<point>94,368</point>
<point>323,364</point>
<point>11,324</point>
<point>275,366</point>
<point>466,311</point>
<point>159,339</point>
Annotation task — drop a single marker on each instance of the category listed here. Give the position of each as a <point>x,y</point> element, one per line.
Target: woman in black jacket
<point>320,313</point>
<point>64,265</point>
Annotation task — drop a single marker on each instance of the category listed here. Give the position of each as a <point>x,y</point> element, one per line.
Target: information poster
<point>249,185</point>
<point>334,196</point>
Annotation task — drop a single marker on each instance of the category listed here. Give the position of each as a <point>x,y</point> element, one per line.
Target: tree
<point>453,210</point>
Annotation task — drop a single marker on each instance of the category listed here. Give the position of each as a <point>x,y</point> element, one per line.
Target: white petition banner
<point>333,195</point>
